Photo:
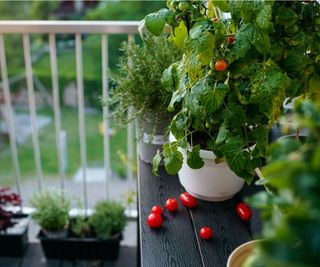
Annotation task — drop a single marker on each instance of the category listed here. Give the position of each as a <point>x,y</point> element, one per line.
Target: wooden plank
<point>10,262</point>
<point>229,231</point>
<point>35,258</point>
<point>174,244</point>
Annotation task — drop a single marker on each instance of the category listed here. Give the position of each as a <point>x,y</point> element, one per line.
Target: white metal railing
<point>52,28</point>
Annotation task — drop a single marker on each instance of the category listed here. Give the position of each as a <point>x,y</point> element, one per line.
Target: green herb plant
<point>107,219</point>
<point>52,209</point>
<point>137,84</point>
<point>235,73</point>
<point>291,213</point>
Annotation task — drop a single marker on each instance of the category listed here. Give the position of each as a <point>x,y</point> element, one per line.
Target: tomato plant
<point>188,200</point>
<point>154,220</point>
<point>206,233</point>
<point>243,211</point>
<point>228,107</point>
<point>171,204</point>
<point>156,209</point>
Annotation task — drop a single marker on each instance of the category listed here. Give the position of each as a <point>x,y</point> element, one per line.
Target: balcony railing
<point>53,28</point>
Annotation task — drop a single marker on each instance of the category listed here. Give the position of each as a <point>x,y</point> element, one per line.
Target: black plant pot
<point>74,248</point>
<point>14,242</point>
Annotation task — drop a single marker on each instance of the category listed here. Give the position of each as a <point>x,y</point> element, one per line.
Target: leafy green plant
<point>291,213</point>
<point>229,87</point>
<point>80,226</point>
<point>107,219</point>
<point>52,209</point>
<point>138,81</point>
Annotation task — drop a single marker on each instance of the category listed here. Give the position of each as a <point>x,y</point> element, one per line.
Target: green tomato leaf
<point>286,16</point>
<point>172,158</point>
<point>194,160</point>
<point>155,163</point>
<point>179,125</point>
<point>222,134</point>
<point>261,41</point>
<point>214,98</point>
<point>180,33</point>
<point>155,22</point>
<point>199,52</point>
<point>222,5</point>
<point>264,18</point>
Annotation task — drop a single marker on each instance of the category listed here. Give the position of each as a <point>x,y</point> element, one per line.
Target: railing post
<point>82,130</point>
<point>32,107</point>
<point>56,105</point>
<point>106,124</point>
<point>9,114</point>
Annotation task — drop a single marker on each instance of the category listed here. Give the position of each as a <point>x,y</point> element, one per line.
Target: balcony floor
<point>35,258</point>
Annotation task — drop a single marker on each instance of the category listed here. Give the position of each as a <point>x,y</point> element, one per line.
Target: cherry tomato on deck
<point>156,209</point>
<point>154,220</point>
<point>206,233</point>
<point>188,200</point>
<point>171,204</point>
<point>221,65</point>
<point>243,211</point>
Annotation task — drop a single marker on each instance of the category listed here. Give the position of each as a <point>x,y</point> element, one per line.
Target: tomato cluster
<point>155,219</point>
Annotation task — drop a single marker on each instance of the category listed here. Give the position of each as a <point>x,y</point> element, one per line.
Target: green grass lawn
<point>49,151</point>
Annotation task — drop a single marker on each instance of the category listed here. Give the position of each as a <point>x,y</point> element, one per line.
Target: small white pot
<point>212,182</point>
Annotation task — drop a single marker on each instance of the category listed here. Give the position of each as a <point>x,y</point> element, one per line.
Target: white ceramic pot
<point>212,182</point>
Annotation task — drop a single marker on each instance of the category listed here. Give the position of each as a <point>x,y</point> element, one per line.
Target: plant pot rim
<point>243,249</point>
<point>42,236</point>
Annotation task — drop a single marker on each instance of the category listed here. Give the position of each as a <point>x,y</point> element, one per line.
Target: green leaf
<point>199,52</point>
<point>261,41</point>
<point>155,163</point>
<point>172,158</point>
<point>198,28</point>
<point>179,125</point>
<point>214,98</point>
<point>286,16</point>
<point>180,33</point>
<point>155,22</point>
<point>264,18</point>
<point>222,5</point>
<point>222,134</point>
<point>314,89</point>
<point>170,77</point>
<point>235,116</point>
<point>194,160</point>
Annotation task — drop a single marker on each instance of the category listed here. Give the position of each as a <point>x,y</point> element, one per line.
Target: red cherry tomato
<point>154,220</point>
<point>188,200</point>
<point>156,209</point>
<point>230,39</point>
<point>206,233</point>
<point>221,65</point>
<point>171,204</point>
<point>243,211</point>
<point>214,19</point>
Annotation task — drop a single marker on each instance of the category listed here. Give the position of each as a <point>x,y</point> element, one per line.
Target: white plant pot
<point>212,182</point>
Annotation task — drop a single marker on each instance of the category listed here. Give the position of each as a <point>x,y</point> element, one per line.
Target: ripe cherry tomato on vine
<point>206,233</point>
<point>214,20</point>
<point>156,209</point>
<point>221,65</point>
<point>243,211</point>
<point>230,39</point>
<point>171,204</point>
<point>188,200</point>
<point>154,220</point>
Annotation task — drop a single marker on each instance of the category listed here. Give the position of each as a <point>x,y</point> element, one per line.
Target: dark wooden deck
<point>177,242</point>
<point>34,257</point>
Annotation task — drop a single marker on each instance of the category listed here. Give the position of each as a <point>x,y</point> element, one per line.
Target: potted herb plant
<point>51,212</point>
<point>139,94</point>
<point>13,226</point>
<point>291,208</point>
<point>96,237</point>
<point>229,87</point>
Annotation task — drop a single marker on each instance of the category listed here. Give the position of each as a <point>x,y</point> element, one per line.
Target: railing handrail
<point>69,26</point>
